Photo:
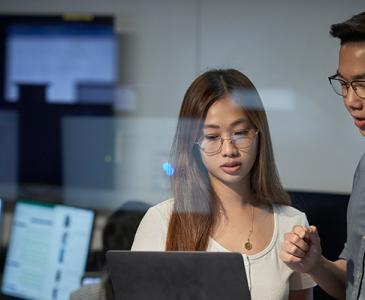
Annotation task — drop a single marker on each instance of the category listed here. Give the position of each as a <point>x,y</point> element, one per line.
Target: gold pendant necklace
<point>248,244</point>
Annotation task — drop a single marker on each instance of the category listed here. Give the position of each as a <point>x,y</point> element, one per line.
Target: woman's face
<point>233,163</point>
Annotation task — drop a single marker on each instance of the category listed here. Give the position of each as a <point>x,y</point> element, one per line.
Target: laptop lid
<point>177,275</point>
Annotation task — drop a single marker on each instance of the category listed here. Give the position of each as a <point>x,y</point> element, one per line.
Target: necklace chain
<point>248,245</point>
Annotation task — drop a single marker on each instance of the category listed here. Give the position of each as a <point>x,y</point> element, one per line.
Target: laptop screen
<point>155,275</point>
<point>47,250</point>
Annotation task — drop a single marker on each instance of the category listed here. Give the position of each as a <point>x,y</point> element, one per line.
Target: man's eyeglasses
<point>242,140</point>
<point>341,86</point>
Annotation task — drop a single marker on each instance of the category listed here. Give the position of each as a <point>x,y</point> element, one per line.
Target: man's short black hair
<point>352,30</point>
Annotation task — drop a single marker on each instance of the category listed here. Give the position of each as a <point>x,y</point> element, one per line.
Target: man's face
<point>352,67</point>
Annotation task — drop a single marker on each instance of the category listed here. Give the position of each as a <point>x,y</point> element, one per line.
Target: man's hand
<point>301,249</point>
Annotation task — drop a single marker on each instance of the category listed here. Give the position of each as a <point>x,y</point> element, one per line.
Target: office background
<point>283,46</point>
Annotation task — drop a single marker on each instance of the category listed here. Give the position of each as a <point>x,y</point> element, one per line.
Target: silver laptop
<point>173,275</point>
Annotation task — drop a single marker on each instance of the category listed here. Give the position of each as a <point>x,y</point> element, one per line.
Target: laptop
<point>139,275</point>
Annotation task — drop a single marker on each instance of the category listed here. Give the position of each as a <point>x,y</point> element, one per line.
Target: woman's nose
<point>228,148</point>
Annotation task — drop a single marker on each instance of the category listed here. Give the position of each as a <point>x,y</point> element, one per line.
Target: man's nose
<point>352,100</point>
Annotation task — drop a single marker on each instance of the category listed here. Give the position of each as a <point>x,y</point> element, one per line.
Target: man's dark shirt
<point>354,250</point>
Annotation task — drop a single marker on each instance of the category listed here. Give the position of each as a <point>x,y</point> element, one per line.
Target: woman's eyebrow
<point>211,126</point>
<point>233,124</point>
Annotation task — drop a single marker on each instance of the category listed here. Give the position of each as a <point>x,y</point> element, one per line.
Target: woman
<point>227,195</point>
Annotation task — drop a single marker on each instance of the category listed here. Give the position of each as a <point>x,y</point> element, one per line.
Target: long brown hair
<point>195,203</point>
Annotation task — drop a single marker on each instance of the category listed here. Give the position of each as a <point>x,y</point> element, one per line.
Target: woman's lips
<point>231,168</point>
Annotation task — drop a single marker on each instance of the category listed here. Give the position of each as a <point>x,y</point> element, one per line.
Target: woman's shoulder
<point>164,206</point>
<point>152,231</point>
<point>289,213</point>
<point>163,209</point>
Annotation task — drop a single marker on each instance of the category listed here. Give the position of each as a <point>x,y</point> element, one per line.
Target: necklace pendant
<point>248,245</point>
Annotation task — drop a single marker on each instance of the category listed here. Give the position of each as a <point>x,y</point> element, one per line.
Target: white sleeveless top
<point>268,277</point>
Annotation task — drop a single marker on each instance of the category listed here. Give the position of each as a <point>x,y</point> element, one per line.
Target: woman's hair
<point>195,203</point>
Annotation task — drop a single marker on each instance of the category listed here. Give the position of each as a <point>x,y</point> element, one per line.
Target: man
<point>301,249</point>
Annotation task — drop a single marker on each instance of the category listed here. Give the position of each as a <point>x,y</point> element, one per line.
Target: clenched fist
<point>301,249</point>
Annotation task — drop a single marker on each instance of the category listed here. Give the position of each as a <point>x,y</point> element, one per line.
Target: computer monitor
<point>47,252</point>
<point>74,58</point>
<point>51,67</point>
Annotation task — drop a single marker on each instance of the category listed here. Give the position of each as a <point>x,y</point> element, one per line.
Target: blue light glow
<point>168,168</point>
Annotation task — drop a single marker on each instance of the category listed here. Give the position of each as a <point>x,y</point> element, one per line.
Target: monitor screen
<point>47,252</point>
<point>76,62</point>
<point>73,60</point>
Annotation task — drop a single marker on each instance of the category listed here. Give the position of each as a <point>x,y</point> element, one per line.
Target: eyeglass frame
<point>348,84</point>
<point>257,131</point>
